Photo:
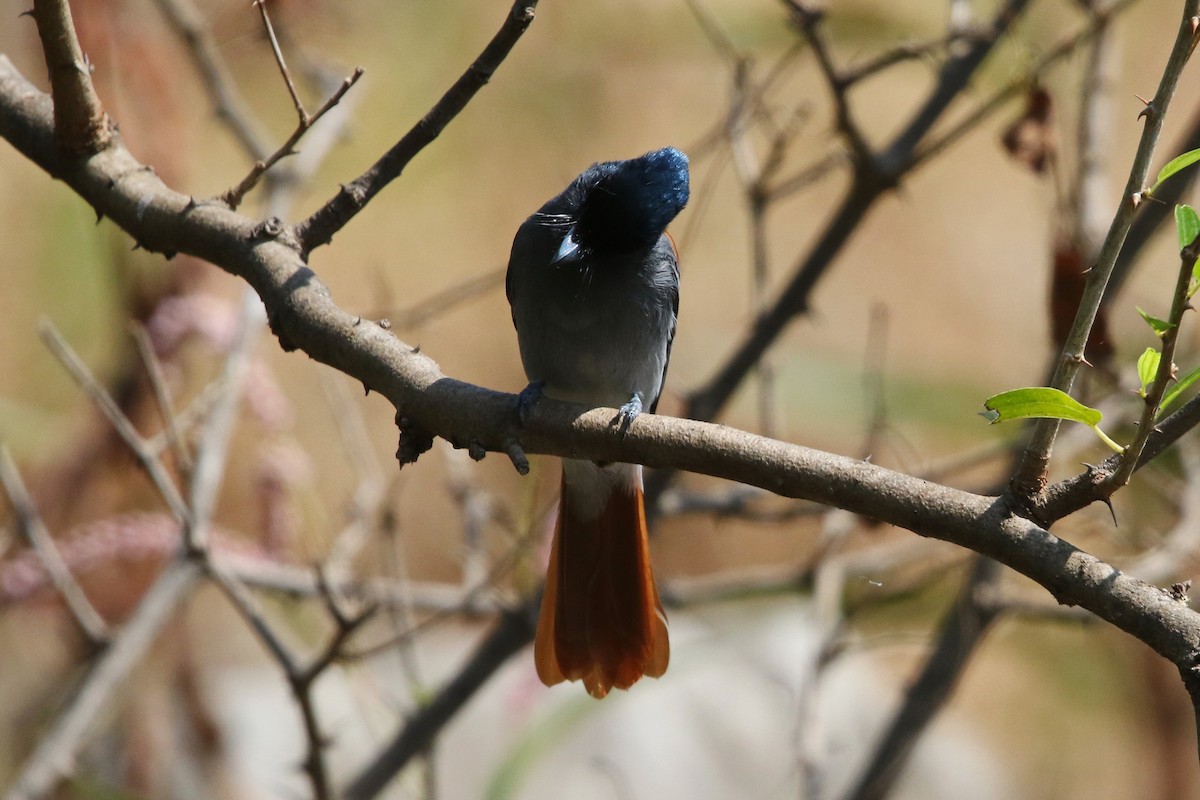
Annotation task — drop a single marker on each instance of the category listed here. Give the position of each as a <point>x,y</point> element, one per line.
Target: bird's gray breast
<point>597,330</point>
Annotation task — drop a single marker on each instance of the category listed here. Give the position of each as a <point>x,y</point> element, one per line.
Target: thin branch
<point>121,424</point>
<point>445,300</point>
<point>1030,476</point>
<point>715,34</point>
<point>808,21</point>
<point>261,5</point>
<point>162,398</point>
<point>867,186</point>
<point>234,195</point>
<point>231,107</point>
<point>966,625</point>
<point>857,73</point>
<point>214,439</point>
<point>54,757</point>
<point>300,678</point>
<point>365,504</point>
<point>31,525</point>
<point>1152,215</point>
<point>1164,375</point>
<point>513,632</point>
<point>971,121</point>
<point>293,581</point>
<point>320,228</point>
<point>80,124</point>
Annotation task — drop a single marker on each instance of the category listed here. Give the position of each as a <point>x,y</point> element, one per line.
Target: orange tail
<point>601,620</point>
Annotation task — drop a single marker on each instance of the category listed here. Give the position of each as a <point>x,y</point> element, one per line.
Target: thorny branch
<point>1030,476</point>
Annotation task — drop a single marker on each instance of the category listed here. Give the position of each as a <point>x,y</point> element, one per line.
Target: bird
<point>593,283</point>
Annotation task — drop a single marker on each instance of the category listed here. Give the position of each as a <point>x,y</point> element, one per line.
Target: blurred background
<point>939,301</point>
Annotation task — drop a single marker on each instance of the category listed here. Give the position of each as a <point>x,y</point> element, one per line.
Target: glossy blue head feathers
<point>623,206</point>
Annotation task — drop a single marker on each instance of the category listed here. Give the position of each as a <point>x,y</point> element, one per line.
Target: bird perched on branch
<point>593,282</point>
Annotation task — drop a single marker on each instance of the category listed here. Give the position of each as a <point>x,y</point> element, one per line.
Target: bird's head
<point>624,206</point>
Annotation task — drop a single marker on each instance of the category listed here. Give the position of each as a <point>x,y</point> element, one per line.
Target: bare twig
<point>808,21</point>
<point>365,504</point>
<point>871,181</point>
<point>513,632</point>
<point>214,440</point>
<point>971,120</point>
<point>293,581</point>
<point>968,622</point>
<point>31,524</point>
<point>121,424</point>
<point>445,300</point>
<point>54,757</point>
<point>231,107</point>
<point>235,194</point>
<point>856,73</point>
<point>162,397</point>
<point>261,5</point>
<point>301,678</point>
<point>319,228</point>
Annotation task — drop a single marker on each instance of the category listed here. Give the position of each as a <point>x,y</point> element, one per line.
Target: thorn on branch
<point>1149,111</point>
<point>516,454</point>
<point>269,228</point>
<point>1179,591</point>
<point>1111,510</point>
<point>414,440</point>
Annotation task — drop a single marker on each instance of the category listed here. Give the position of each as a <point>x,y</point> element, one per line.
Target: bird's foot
<point>527,399</point>
<point>628,413</point>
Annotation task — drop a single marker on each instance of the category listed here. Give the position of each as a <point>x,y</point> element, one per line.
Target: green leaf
<point>1044,402</point>
<point>1038,401</point>
<point>1187,223</point>
<point>1178,389</point>
<point>1147,368</point>
<point>1175,165</point>
<point>1159,326</point>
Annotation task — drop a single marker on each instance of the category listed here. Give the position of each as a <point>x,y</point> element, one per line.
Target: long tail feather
<point>601,619</point>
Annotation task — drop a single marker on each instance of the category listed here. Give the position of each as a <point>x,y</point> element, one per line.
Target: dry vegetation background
<point>938,303</point>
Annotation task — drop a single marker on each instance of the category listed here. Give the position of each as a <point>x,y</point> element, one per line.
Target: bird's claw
<point>627,413</point>
<point>527,399</point>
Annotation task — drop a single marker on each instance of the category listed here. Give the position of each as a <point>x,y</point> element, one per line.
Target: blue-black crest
<point>623,206</point>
